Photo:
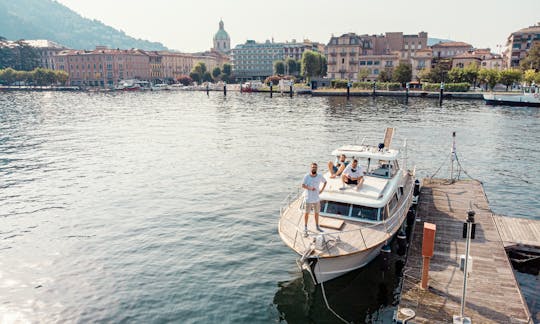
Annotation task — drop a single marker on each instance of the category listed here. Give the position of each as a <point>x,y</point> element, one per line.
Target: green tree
<point>529,76</point>
<point>470,73</point>
<point>279,67</point>
<point>509,77</point>
<point>195,76</point>
<point>61,77</point>
<point>402,73</point>
<point>40,76</point>
<point>489,77</point>
<point>532,60</point>
<point>439,73</point>
<point>7,76</point>
<point>227,69</point>
<point>27,57</point>
<point>216,73</point>
<point>311,64</point>
<point>291,66</point>
<point>324,65</point>
<point>385,75</point>
<point>199,68</point>
<point>455,75</point>
<point>207,77</point>
<point>363,73</point>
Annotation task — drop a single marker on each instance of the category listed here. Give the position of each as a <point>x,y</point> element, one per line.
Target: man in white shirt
<point>311,184</point>
<point>353,174</point>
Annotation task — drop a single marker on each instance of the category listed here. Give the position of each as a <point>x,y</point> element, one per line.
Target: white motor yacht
<point>356,223</point>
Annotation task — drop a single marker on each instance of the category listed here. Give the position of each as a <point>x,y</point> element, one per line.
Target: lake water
<point>163,206</point>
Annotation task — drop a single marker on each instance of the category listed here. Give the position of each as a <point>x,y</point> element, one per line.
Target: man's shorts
<point>335,168</point>
<point>316,207</point>
<point>348,181</point>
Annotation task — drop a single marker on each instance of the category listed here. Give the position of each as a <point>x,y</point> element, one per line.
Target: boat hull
<point>324,269</point>
<point>513,100</point>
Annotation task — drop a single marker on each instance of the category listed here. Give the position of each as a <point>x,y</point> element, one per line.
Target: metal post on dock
<point>271,89</point>
<point>224,88</point>
<point>374,88</point>
<point>461,319</point>
<point>407,92</point>
<point>453,157</point>
<point>291,89</point>
<point>348,89</point>
<point>441,94</point>
<point>207,89</point>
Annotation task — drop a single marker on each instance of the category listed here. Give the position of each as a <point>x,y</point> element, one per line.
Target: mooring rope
<point>326,300</point>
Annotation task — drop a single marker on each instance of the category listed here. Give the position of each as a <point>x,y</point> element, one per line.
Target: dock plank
<point>518,231</point>
<point>493,295</point>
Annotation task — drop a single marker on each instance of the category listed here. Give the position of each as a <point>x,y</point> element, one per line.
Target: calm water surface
<point>158,207</point>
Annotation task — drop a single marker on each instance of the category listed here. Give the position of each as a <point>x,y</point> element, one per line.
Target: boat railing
<point>288,200</point>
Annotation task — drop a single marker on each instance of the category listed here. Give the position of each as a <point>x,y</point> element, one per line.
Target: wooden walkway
<point>518,231</point>
<point>493,295</point>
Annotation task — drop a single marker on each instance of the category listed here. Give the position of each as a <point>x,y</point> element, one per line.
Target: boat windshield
<point>333,208</point>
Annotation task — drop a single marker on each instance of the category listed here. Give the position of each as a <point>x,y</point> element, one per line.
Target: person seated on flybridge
<point>337,168</point>
<point>353,174</point>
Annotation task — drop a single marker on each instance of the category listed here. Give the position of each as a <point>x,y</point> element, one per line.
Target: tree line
<point>36,77</point>
<point>19,56</point>
<point>200,74</point>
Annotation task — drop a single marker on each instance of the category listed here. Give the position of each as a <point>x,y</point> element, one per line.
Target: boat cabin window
<point>337,208</point>
<point>347,210</point>
<point>365,212</point>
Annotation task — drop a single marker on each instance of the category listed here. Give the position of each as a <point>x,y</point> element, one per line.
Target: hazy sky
<point>190,25</point>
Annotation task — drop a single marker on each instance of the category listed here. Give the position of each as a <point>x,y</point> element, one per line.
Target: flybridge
<point>366,151</point>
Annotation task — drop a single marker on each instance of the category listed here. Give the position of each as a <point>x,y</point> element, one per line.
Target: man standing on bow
<point>311,185</point>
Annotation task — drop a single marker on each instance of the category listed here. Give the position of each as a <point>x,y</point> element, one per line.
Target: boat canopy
<point>367,151</point>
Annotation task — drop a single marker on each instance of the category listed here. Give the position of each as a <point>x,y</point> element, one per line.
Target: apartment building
<point>519,43</point>
<point>46,51</point>
<point>444,50</point>
<point>254,60</point>
<point>103,67</point>
<point>480,57</point>
<point>350,53</point>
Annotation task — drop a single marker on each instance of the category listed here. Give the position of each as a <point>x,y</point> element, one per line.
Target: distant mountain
<point>433,41</point>
<point>48,19</point>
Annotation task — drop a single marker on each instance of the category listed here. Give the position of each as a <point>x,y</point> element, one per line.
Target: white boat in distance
<point>529,98</point>
<point>356,223</point>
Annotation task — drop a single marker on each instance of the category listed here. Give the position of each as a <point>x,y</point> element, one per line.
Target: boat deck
<point>522,232</point>
<point>493,295</point>
<point>352,236</point>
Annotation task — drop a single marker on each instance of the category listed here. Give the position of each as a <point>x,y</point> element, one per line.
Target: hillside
<point>47,19</point>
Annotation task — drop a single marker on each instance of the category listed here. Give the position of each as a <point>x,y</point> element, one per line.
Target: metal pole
<point>453,157</point>
<point>466,275</point>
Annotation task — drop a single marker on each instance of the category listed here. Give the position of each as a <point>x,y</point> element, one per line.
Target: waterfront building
<point>519,43</point>
<point>254,60</point>
<point>46,51</point>
<point>222,41</point>
<point>350,53</point>
<point>445,50</point>
<point>103,67</point>
<point>176,64</point>
<point>480,57</point>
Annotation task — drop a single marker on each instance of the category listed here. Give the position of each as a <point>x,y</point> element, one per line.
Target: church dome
<point>221,33</point>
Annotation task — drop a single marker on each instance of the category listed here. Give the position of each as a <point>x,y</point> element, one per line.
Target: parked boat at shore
<point>357,222</point>
<point>133,85</point>
<point>529,98</point>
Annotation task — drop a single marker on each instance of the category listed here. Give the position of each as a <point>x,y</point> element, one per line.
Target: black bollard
<point>374,86</point>
<point>224,89</point>
<point>348,90</point>
<point>271,89</point>
<point>207,90</point>
<point>407,92</point>
<point>290,91</point>
<point>441,93</point>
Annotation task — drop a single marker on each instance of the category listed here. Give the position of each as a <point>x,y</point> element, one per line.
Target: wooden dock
<point>520,232</point>
<point>493,295</point>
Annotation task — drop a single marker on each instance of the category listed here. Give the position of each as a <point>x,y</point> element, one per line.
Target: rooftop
<point>452,44</point>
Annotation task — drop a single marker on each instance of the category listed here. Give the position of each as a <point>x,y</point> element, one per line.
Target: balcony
<point>352,62</point>
<point>333,54</point>
<point>342,70</point>
<point>352,53</point>
<point>343,53</point>
<point>331,62</point>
